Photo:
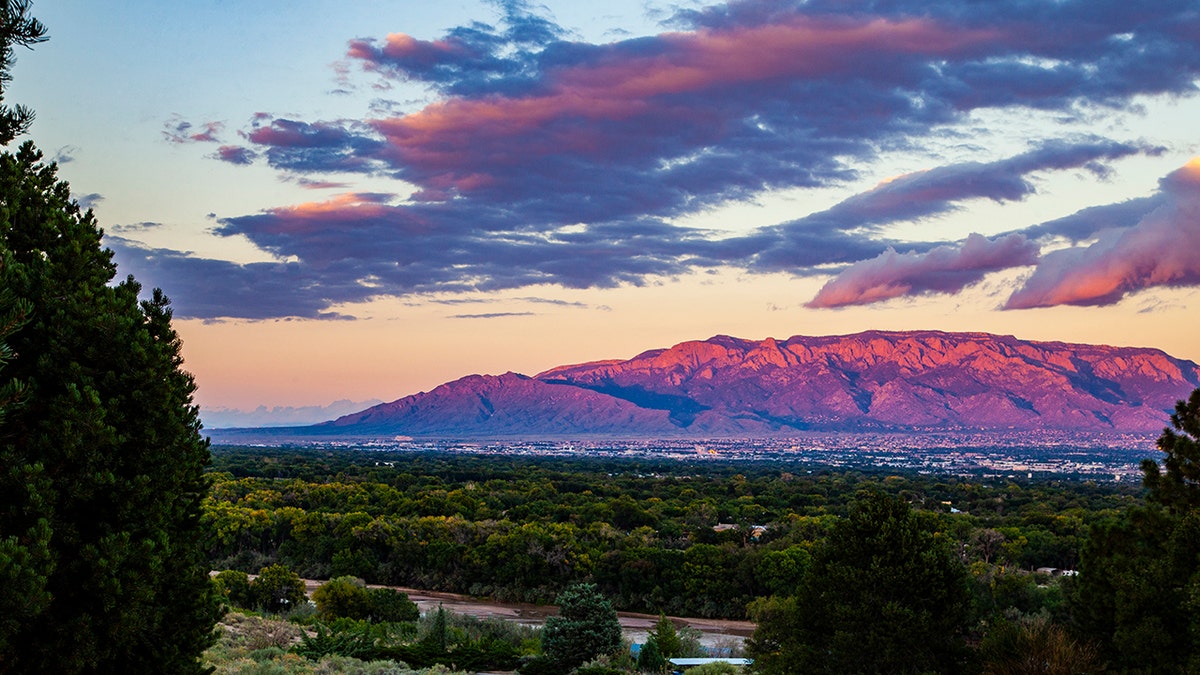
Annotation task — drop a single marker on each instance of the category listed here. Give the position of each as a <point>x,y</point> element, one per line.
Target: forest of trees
<point>676,537</point>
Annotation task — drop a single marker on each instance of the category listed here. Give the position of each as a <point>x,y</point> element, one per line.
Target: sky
<point>353,202</point>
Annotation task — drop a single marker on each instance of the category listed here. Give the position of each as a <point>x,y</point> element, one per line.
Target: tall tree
<point>666,638</point>
<point>1138,591</point>
<point>102,475</point>
<point>884,595</point>
<point>13,314</point>
<point>101,463</point>
<point>586,627</point>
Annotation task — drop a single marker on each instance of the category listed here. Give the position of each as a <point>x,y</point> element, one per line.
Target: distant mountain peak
<point>922,380</point>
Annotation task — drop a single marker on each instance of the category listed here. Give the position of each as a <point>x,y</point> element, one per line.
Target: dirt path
<point>715,632</point>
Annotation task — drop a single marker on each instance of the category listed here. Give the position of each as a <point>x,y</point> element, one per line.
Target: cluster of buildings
<point>1018,455</point>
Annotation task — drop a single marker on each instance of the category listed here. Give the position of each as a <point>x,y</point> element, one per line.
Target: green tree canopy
<point>884,595</point>
<point>101,466</point>
<point>278,589</point>
<point>586,627</point>
<point>343,597</point>
<point>388,604</point>
<point>235,586</point>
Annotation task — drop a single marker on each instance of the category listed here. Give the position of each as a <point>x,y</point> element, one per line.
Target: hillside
<point>874,381</point>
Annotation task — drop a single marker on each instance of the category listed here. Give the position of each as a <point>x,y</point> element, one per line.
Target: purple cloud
<point>1160,250</point>
<point>942,269</point>
<point>235,154</point>
<point>937,191</point>
<point>550,161</point>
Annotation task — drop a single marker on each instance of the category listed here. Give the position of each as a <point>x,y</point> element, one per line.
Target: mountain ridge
<point>902,381</point>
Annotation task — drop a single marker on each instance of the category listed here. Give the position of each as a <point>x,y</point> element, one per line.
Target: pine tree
<point>101,464</point>
<point>1177,485</point>
<point>586,627</point>
<point>101,458</point>
<point>1138,592</point>
<point>16,28</point>
<point>666,638</point>
<point>884,596</point>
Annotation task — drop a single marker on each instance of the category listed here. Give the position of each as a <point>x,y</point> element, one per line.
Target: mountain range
<point>874,381</point>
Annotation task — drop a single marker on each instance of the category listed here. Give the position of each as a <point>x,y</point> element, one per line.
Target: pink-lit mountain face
<point>874,381</point>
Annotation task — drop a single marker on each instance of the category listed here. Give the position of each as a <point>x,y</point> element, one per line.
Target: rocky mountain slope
<point>873,381</point>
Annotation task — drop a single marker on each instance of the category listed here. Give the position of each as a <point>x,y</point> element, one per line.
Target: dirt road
<point>715,632</point>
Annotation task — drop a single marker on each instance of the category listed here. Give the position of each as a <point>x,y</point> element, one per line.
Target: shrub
<point>234,586</point>
<point>343,597</point>
<point>391,605</point>
<point>278,589</point>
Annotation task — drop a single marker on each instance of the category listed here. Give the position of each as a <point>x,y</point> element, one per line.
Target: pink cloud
<point>1160,250</point>
<point>344,209</point>
<point>402,46</point>
<point>567,112</point>
<point>943,269</point>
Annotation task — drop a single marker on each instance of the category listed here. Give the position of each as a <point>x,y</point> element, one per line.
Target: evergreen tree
<point>884,596</point>
<point>16,28</point>
<point>666,638</point>
<point>1138,591</point>
<point>586,627</point>
<point>437,638</point>
<point>650,658</point>
<point>1178,488</point>
<point>102,463</point>
<point>101,459</point>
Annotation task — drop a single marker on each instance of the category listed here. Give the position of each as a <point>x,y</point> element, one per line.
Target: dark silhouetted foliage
<point>1177,485</point>
<point>883,596</point>
<point>17,28</point>
<point>1139,584</point>
<point>1035,647</point>
<point>101,466</point>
